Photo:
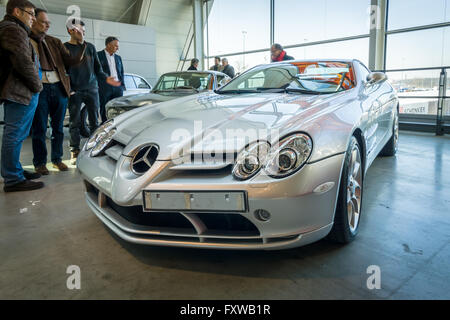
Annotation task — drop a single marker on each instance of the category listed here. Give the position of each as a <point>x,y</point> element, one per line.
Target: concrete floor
<point>405,231</point>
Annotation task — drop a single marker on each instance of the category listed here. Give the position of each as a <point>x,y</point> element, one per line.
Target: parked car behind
<point>169,86</point>
<point>134,85</point>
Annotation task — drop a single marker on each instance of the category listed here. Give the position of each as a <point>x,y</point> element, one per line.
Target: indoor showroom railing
<point>424,104</point>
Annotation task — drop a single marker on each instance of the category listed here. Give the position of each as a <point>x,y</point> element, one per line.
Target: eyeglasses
<point>30,13</point>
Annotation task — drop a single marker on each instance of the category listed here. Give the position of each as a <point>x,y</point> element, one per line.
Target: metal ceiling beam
<point>142,12</point>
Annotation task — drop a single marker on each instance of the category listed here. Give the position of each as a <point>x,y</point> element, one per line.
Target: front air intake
<point>143,158</point>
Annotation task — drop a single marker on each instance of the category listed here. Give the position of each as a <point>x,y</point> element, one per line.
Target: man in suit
<point>113,66</point>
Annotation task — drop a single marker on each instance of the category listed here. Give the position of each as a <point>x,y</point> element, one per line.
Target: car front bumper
<point>300,212</point>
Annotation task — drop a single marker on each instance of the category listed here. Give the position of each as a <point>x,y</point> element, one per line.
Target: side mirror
<point>376,77</point>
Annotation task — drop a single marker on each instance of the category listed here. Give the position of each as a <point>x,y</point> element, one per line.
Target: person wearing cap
<point>84,85</point>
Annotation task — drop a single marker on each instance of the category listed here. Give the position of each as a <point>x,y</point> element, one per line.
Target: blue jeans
<point>91,100</point>
<point>53,102</point>
<point>18,120</point>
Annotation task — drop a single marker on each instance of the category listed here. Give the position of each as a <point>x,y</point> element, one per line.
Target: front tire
<point>390,149</point>
<point>348,207</point>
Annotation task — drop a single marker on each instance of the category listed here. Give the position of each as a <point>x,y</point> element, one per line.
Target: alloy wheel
<point>354,189</point>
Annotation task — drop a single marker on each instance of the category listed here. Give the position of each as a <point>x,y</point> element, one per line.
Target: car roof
<point>133,74</point>
<point>196,71</point>
<point>315,60</point>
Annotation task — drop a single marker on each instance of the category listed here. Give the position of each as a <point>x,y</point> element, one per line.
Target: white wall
<point>171,20</point>
<point>137,43</point>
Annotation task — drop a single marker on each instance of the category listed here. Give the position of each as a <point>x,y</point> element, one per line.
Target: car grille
<point>232,229</point>
<point>216,223</point>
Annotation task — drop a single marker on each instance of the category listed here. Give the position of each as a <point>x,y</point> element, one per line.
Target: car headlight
<point>103,142</point>
<point>114,112</point>
<point>289,155</point>
<point>98,134</point>
<point>251,160</point>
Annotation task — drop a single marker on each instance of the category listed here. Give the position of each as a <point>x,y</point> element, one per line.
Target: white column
<point>199,51</point>
<point>377,44</point>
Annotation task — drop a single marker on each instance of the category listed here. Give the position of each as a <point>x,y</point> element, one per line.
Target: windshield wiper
<point>235,91</point>
<point>186,87</point>
<point>307,91</point>
<point>156,91</point>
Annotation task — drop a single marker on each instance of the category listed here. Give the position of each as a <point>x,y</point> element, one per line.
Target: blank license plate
<point>194,201</point>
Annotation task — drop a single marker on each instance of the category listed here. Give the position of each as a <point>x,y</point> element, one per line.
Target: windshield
<point>308,77</point>
<point>187,80</point>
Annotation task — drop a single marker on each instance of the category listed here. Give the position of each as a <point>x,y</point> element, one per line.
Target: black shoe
<point>31,175</point>
<point>25,185</point>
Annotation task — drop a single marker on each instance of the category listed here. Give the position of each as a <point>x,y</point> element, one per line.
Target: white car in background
<point>134,84</point>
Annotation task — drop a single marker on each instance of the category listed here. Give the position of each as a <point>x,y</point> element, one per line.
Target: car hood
<point>217,123</point>
<point>142,99</point>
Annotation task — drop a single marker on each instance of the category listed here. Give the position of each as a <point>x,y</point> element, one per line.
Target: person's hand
<point>112,82</point>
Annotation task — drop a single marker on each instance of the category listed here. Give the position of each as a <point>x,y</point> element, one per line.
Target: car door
<point>369,106</point>
<point>387,100</point>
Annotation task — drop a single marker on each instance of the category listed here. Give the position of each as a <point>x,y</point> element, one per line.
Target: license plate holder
<point>209,201</point>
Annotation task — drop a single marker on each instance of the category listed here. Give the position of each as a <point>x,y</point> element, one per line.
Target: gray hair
<point>277,46</point>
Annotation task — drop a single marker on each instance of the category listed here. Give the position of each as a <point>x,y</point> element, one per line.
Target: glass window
<point>301,21</point>
<point>446,111</point>
<point>418,106</point>
<point>325,77</point>
<point>240,62</point>
<point>184,80</point>
<point>419,83</point>
<point>236,25</point>
<point>141,84</point>
<point>424,48</point>
<point>351,49</point>
<point>411,13</point>
<point>129,82</point>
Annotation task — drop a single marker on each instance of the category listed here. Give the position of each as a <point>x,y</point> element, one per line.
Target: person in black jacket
<point>112,65</point>
<point>227,69</point>
<point>83,82</point>
<point>278,53</point>
<point>194,64</point>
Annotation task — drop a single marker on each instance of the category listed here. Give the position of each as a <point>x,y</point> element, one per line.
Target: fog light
<point>262,215</point>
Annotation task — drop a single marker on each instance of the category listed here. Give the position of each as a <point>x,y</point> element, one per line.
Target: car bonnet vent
<point>144,158</point>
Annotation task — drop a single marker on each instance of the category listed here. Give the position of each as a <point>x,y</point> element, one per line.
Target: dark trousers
<point>53,103</point>
<point>108,93</point>
<point>91,100</point>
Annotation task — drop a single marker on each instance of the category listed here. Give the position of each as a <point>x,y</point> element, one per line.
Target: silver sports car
<point>274,159</point>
